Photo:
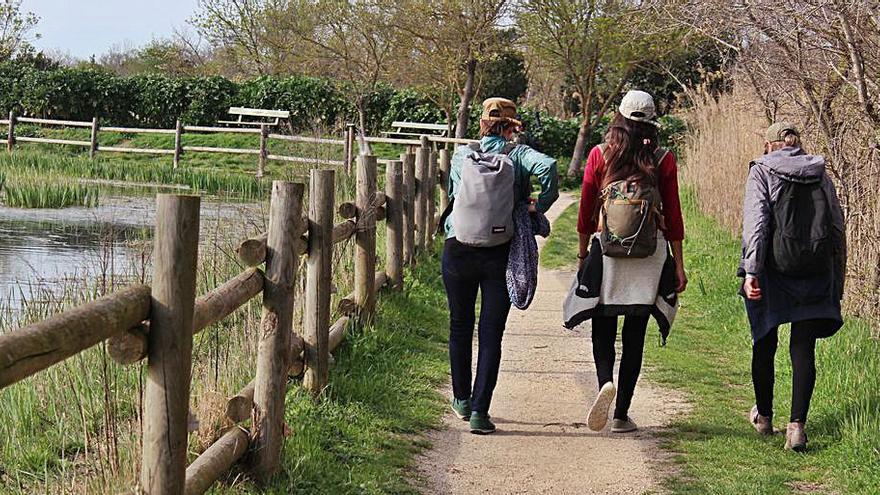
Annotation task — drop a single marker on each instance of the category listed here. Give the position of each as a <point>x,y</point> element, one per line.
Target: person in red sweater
<point>629,286</point>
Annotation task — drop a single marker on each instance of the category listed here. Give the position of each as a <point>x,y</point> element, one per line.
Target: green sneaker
<point>480,424</point>
<point>462,408</point>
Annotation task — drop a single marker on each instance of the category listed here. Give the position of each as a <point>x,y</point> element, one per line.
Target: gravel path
<point>542,445</point>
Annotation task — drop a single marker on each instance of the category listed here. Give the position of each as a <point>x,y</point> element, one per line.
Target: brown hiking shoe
<point>795,437</point>
<point>623,425</point>
<point>761,423</point>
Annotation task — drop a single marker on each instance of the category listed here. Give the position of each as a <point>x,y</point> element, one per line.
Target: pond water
<point>45,252</point>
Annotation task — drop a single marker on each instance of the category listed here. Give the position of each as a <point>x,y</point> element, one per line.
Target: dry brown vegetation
<point>815,63</point>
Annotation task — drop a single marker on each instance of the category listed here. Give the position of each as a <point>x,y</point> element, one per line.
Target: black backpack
<point>802,243</point>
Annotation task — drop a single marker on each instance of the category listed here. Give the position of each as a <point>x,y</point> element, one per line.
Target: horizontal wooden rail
<point>300,159</point>
<point>439,139</point>
<point>409,142</point>
<point>202,128</point>
<point>131,346</point>
<point>4,121</point>
<point>216,460</point>
<point>307,139</point>
<point>137,130</point>
<point>68,123</point>
<point>147,151</point>
<point>211,149</point>
<point>35,347</point>
<point>25,139</point>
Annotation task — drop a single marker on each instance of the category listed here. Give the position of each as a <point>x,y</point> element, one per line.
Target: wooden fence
<point>157,322</point>
<point>348,142</point>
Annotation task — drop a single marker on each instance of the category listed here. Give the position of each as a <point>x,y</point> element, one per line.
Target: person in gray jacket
<point>793,268</point>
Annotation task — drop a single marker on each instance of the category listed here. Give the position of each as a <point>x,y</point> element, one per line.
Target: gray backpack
<point>482,212</point>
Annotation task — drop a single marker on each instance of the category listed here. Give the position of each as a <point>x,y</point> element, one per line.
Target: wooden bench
<point>403,128</point>
<point>261,113</point>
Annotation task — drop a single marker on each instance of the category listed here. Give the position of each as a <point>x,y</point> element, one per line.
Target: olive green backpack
<point>629,216</point>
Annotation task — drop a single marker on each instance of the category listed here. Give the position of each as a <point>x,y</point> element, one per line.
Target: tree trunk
<point>467,94</point>
<point>580,147</point>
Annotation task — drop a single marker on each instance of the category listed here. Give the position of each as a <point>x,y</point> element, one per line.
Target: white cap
<point>638,106</point>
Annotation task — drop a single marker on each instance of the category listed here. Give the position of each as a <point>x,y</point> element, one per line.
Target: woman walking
<point>486,180</point>
<point>793,268</point>
<point>629,200</point>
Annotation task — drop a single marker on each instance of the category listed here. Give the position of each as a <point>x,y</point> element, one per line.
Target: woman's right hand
<point>752,288</point>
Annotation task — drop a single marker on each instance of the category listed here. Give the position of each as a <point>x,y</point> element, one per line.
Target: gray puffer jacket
<point>767,175</point>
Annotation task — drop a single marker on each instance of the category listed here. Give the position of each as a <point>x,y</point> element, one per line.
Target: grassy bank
<point>708,358</point>
<point>359,438</point>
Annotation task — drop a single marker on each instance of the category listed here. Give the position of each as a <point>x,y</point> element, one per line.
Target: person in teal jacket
<point>468,269</point>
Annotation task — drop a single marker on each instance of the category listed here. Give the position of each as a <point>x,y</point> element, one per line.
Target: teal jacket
<point>528,163</point>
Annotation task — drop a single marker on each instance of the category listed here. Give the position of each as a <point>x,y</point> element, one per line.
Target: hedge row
<point>154,100</point>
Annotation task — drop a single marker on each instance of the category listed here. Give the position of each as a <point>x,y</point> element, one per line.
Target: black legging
<point>604,335</point>
<point>802,348</point>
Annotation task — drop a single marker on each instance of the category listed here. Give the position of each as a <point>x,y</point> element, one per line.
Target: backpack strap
<point>660,155</point>
<point>476,147</point>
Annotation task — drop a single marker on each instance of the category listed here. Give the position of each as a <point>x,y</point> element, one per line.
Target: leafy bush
<point>312,102</point>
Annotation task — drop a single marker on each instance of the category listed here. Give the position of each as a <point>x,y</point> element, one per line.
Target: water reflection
<point>46,252</point>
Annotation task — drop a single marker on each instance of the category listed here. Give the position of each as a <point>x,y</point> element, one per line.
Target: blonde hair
<point>791,140</point>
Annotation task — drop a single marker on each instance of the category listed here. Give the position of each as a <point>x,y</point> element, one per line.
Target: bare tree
<point>596,45</point>
<point>448,40</point>
<point>16,28</point>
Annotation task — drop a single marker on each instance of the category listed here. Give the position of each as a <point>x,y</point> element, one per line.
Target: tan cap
<point>779,130</point>
<point>500,110</point>
<point>638,106</point>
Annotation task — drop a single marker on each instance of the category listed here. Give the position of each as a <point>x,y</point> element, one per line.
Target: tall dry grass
<point>726,133</point>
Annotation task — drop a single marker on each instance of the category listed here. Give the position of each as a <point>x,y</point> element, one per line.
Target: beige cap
<point>779,130</point>
<point>638,106</point>
<point>500,110</point>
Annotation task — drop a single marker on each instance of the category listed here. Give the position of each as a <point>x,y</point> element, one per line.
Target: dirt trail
<point>542,445</point>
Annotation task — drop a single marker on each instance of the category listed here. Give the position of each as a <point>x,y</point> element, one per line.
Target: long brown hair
<point>629,150</point>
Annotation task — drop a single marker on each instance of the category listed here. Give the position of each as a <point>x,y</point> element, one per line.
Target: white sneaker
<point>599,412</point>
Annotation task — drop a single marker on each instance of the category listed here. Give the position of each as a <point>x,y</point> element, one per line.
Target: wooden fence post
<point>166,399</point>
<point>273,352</point>
<point>422,164</point>
<point>93,139</point>
<point>445,166</point>
<point>264,150</point>
<point>349,147</point>
<point>394,198</point>
<point>178,142</point>
<point>365,238</point>
<point>432,198</point>
<point>409,196</point>
<point>322,189</point>
<point>10,138</point>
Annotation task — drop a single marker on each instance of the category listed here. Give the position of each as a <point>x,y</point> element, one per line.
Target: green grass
<point>361,435</point>
<point>561,248</point>
<point>708,358</point>
<point>42,194</point>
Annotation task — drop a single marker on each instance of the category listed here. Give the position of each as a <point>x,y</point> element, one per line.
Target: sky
<point>83,28</point>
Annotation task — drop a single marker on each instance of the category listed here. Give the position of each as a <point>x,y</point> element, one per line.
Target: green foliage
<point>312,102</point>
<point>408,104</point>
<point>504,75</point>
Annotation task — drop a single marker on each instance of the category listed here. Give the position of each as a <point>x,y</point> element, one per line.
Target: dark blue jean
<point>465,270</point>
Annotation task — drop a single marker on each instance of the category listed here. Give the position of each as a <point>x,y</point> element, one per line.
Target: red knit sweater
<point>668,185</point>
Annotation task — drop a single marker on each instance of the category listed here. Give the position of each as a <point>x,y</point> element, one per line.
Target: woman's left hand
<point>681,279</point>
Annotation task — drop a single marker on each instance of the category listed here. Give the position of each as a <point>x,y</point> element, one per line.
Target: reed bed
<point>41,194</point>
